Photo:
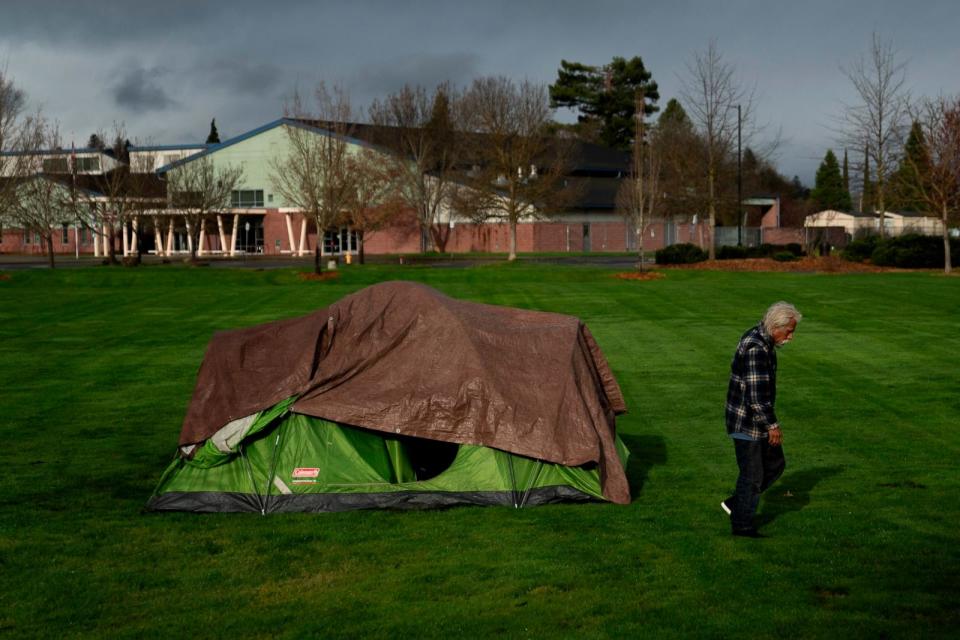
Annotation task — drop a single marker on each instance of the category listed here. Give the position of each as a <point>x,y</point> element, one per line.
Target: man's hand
<point>774,437</point>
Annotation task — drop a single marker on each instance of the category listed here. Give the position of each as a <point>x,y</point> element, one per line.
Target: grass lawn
<point>97,366</point>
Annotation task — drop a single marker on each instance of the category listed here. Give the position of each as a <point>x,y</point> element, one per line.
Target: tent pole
<point>513,481</point>
<point>253,484</point>
<point>273,468</point>
<point>536,476</point>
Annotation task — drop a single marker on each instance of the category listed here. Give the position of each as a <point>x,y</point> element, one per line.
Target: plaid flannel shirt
<point>753,386</point>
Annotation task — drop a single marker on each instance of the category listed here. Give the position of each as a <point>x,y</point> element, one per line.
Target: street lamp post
<point>739,182</point>
<point>246,244</point>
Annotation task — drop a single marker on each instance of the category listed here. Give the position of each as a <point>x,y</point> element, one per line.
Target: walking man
<point>751,422</point>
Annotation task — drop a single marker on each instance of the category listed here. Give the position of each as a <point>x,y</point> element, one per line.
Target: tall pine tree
<point>846,173</point>
<point>828,191</point>
<point>605,97</point>
<point>906,190</point>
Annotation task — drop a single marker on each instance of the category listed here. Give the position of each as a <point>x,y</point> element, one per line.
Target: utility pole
<point>739,182</point>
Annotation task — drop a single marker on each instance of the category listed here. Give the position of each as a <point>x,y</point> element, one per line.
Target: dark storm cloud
<point>427,70</point>
<point>239,76</point>
<point>139,90</point>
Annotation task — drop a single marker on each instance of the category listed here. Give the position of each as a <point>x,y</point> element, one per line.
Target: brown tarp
<point>403,358</point>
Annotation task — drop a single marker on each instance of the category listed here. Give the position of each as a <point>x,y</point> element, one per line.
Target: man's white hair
<point>779,315</point>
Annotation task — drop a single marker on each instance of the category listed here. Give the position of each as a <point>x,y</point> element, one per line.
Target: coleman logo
<point>306,472</point>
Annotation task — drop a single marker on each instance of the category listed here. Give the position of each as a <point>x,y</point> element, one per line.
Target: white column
<point>233,238</point>
<point>303,237</point>
<point>223,235</point>
<point>157,236</point>
<point>203,237</point>
<point>96,240</point>
<point>189,236</point>
<point>290,231</point>
<point>134,236</point>
<point>169,251</point>
<point>107,239</point>
<point>126,239</point>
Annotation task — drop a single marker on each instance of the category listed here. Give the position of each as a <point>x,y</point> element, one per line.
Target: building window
<point>55,165</point>
<point>88,164</point>
<point>339,241</point>
<point>26,237</point>
<point>65,233</point>
<point>245,199</point>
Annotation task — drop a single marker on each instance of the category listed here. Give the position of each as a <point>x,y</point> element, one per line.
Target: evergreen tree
<point>906,190</point>
<point>846,173</point>
<point>828,191</point>
<point>95,142</point>
<point>798,191</point>
<point>605,97</point>
<point>214,137</point>
<point>674,115</point>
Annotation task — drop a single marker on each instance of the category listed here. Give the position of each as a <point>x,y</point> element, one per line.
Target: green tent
<point>384,407</point>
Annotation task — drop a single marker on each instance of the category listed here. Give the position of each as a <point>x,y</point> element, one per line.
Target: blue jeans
<point>760,466</point>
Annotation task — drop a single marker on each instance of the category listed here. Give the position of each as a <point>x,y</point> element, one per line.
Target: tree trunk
<point>640,264</point>
<point>317,257</point>
<point>136,238</point>
<point>711,250</point>
<point>49,240</point>
<point>111,251</point>
<point>512,241</point>
<point>439,237</point>
<point>361,256</point>
<point>947,266</point>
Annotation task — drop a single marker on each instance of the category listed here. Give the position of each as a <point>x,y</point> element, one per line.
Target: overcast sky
<point>166,68</point>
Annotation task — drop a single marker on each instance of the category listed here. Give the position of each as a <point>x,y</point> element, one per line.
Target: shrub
<point>684,253</point>
<point>764,250</point>
<point>731,253</point>
<point>909,251</point>
<point>860,250</point>
<point>784,256</point>
<point>795,248</point>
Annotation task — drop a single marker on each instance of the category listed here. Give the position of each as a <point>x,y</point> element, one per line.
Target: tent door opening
<point>429,458</point>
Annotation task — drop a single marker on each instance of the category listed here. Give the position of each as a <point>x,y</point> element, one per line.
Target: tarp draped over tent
<point>404,359</point>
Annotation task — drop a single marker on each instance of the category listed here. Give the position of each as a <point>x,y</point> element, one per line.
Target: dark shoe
<point>748,533</point>
<point>725,505</point>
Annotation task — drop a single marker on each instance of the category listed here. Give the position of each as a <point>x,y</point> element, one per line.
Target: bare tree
<point>639,194</point>
<point>520,170</point>
<point>682,174</point>
<point>111,200</point>
<point>712,94</point>
<point>40,203</point>
<point>198,189</point>
<point>315,173</point>
<point>877,121</point>
<point>375,204</point>
<point>147,196</point>
<point>423,133</point>
<point>938,170</point>
<point>12,101</point>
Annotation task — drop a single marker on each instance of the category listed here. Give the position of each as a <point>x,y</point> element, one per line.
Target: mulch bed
<point>326,275</point>
<point>5,276</point>
<point>808,264</point>
<point>638,275</point>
